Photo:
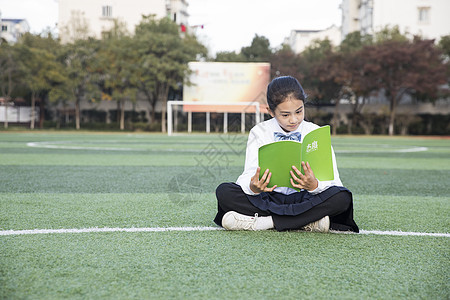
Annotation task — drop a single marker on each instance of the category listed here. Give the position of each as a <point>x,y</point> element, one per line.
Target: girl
<point>249,204</point>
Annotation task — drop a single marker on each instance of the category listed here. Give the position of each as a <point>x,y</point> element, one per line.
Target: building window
<point>4,27</point>
<point>424,15</point>
<point>107,11</point>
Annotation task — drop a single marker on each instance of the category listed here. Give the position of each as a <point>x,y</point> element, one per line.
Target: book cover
<point>279,157</point>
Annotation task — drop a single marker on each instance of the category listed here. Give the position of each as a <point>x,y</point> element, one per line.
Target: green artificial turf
<point>84,180</point>
<point>224,265</point>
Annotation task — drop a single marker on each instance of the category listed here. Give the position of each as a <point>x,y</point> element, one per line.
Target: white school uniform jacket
<point>262,134</point>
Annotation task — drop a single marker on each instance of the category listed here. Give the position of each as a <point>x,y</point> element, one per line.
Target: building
<point>301,39</point>
<point>97,16</point>
<point>427,18</point>
<point>12,29</point>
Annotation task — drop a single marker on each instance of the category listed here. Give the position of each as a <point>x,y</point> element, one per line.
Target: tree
<point>404,67</point>
<point>323,75</point>
<point>116,65</point>
<point>10,71</point>
<point>229,56</point>
<point>390,34</point>
<point>42,71</point>
<point>330,77</point>
<point>163,59</point>
<point>79,59</point>
<point>285,62</point>
<point>444,44</point>
<point>354,42</point>
<point>258,51</point>
<point>357,87</point>
<point>312,58</point>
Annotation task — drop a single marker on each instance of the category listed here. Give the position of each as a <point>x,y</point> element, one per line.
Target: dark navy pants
<point>290,212</point>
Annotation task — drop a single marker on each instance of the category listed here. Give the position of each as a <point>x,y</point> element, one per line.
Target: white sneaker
<point>322,225</point>
<point>236,221</point>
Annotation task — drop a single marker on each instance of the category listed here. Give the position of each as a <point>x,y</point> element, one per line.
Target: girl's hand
<point>257,185</point>
<point>307,181</point>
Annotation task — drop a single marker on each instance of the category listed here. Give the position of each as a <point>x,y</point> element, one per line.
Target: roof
<point>313,31</point>
<point>13,20</point>
<point>306,31</point>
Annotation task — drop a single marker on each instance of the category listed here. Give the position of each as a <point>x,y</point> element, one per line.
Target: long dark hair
<point>282,87</point>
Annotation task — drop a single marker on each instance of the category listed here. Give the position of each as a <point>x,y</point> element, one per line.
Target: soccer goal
<point>176,108</point>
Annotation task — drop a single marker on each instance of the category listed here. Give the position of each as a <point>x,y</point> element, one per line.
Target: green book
<point>279,157</point>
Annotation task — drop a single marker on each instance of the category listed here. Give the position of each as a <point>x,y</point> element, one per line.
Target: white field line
<point>51,145</point>
<point>66,146</point>
<point>162,229</point>
<point>60,145</point>
<point>106,229</point>
<point>413,149</point>
<point>398,233</point>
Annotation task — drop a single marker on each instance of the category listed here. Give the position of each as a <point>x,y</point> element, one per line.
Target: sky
<point>228,25</point>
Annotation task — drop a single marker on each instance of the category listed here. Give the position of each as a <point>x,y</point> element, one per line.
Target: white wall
<point>180,8</point>
<point>404,13</point>
<point>299,40</point>
<point>350,14</point>
<point>373,15</point>
<point>18,114</point>
<point>15,29</point>
<point>129,11</point>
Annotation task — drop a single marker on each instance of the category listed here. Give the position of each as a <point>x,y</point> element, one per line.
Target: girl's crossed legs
<point>339,207</point>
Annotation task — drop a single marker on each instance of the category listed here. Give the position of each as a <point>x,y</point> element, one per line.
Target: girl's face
<point>289,114</point>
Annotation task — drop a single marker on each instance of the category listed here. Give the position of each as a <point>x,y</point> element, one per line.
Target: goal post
<point>225,108</point>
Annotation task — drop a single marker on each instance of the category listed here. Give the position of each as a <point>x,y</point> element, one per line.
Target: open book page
<point>316,149</point>
<point>279,157</point>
